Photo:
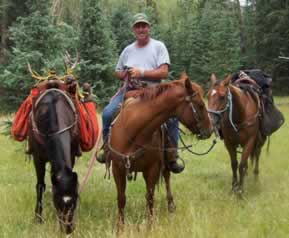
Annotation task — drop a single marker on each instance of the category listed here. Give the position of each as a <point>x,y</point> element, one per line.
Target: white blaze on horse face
<point>213,92</point>
<point>66,199</point>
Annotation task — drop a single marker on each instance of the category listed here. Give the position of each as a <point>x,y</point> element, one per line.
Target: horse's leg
<point>260,142</point>
<point>249,146</point>
<point>170,199</point>
<point>234,163</point>
<point>151,177</point>
<point>120,181</point>
<point>40,187</point>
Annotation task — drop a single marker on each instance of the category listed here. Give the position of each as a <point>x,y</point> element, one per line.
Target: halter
<point>195,113</point>
<point>228,106</point>
<point>196,116</point>
<point>34,126</point>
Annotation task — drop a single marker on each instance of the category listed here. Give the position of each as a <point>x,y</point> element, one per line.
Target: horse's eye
<point>202,107</point>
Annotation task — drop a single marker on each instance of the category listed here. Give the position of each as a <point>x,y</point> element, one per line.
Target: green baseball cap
<point>140,17</point>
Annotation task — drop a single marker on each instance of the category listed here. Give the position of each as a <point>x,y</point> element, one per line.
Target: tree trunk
<point>241,27</point>
<point>3,32</point>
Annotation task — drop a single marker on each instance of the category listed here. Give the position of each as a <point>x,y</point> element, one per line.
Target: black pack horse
<point>53,138</point>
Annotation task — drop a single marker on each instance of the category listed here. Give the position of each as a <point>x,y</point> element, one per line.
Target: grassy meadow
<point>205,205</point>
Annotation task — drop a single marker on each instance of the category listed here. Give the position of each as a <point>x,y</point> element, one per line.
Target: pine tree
<point>272,18</point>
<point>97,51</point>
<point>121,27</point>
<point>41,43</point>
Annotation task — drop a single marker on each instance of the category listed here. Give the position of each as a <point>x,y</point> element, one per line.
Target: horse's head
<point>218,101</point>
<point>192,111</point>
<point>65,197</point>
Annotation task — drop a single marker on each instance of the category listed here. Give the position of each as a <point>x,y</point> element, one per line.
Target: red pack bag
<point>20,123</point>
<point>88,125</point>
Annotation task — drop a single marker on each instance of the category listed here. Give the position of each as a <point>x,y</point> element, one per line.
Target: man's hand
<point>136,72</point>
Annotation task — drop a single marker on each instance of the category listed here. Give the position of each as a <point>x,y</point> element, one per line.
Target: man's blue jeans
<point>110,110</point>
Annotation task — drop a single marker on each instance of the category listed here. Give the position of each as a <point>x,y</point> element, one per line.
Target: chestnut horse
<point>53,139</point>
<point>136,144</point>
<point>236,114</point>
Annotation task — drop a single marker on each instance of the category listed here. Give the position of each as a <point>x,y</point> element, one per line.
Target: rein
<point>187,147</point>
<point>34,126</point>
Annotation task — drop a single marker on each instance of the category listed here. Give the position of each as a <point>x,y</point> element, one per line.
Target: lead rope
<point>92,159</point>
<point>231,110</point>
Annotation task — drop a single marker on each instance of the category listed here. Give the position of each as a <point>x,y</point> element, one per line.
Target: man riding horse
<point>146,60</point>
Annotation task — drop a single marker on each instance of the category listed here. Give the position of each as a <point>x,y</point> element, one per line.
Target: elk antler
<point>68,65</point>
<point>34,74</point>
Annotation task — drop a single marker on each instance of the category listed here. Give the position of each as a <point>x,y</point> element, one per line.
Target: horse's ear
<point>183,76</point>
<point>227,80</point>
<point>213,79</point>
<point>188,85</point>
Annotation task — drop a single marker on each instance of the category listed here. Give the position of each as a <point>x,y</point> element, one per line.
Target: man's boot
<point>171,163</point>
<point>102,157</point>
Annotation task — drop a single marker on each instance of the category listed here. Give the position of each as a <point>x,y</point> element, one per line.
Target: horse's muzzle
<point>66,222</point>
<point>205,134</point>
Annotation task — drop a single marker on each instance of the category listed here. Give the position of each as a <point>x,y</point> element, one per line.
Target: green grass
<point>205,205</point>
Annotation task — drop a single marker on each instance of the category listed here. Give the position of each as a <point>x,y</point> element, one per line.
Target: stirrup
<point>176,168</point>
<point>101,158</point>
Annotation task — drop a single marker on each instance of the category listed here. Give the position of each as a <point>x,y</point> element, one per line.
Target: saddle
<point>271,119</point>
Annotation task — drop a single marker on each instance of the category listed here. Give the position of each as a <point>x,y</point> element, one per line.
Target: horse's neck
<point>60,152</point>
<point>150,115</point>
<point>60,145</point>
<point>238,103</point>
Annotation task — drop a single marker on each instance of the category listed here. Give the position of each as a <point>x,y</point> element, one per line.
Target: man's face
<point>141,31</point>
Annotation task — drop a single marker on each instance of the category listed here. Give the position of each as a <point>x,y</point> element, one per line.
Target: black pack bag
<point>272,118</point>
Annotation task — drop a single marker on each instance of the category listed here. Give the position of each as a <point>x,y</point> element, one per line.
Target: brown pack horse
<point>135,142</point>
<point>235,113</point>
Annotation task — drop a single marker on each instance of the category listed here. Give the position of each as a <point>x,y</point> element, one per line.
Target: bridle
<point>34,125</point>
<point>227,107</point>
<point>196,116</point>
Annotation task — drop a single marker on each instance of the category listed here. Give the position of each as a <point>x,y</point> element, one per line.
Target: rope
<point>92,160</point>
<point>197,153</point>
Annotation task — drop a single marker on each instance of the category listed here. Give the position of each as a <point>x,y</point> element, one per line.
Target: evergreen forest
<point>202,36</point>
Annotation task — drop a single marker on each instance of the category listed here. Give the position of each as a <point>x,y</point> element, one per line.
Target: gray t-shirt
<point>149,57</point>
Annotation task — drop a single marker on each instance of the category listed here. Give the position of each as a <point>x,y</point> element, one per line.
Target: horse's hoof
<point>235,187</point>
<point>129,177</point>
<point>69,230</point>
<point>238,191</point>
<point>38,219</point>
<point>119,229</point>
<point>172,207</point>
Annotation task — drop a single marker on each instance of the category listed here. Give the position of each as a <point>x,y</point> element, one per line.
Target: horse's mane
<point>150,93</point>
<point>198,88</point>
